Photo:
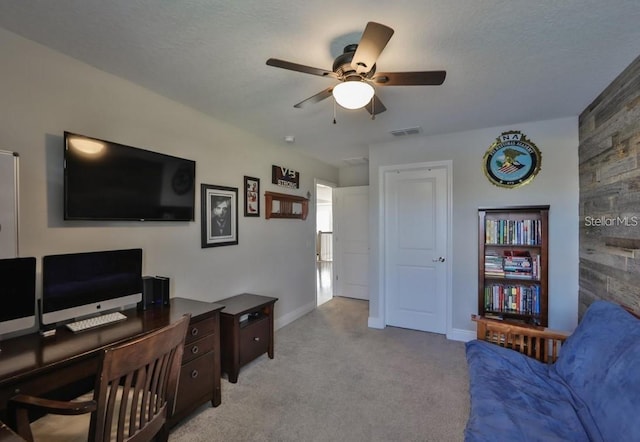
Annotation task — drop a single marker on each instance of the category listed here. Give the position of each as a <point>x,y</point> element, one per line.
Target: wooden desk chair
<point>134,395</point>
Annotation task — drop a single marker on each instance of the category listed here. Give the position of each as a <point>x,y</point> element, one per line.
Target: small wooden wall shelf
<point>282,205</point>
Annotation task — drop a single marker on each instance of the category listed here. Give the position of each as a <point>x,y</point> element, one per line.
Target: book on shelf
<point>521,299</point>
<point>517,275</point>
<point>517,261</point>
<point>508,231</point>
<point>493,265</point>
<point>493,316</point>
<point>512,264</point>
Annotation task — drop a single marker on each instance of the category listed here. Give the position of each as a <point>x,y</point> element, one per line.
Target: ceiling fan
<point>355,69</point>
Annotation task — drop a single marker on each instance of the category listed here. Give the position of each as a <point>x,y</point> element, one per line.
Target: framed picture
<point>219,208</point>
<point>251,196</point>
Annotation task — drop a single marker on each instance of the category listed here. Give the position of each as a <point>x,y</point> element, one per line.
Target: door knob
<point>440,259</point>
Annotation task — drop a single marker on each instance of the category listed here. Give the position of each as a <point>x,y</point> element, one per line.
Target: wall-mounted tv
<point>106,181</point>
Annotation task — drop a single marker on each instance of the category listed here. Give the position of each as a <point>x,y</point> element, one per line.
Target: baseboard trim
<point>456,334</point>
<point>292,316</point>
<point>459,334</point>
<point>375,323</point>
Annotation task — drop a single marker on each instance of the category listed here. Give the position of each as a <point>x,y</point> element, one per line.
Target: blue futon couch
<point>591,393</point>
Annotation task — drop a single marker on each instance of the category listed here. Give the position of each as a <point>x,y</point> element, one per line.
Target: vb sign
<point>285,177</point>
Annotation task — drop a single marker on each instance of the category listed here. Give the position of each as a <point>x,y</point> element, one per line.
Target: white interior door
<point>8,205</point>
<point>416,245</point>
<point>351,241</point>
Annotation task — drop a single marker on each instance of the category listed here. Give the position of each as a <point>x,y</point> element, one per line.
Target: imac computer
<point>78,285</point>
<point>17,294</point>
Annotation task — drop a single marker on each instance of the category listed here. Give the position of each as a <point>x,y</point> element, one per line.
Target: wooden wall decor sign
<point>512,160</point>
<point>281,205</point>
<point>285,177</point>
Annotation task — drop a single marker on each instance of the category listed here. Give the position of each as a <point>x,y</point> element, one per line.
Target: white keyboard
<point>96,321</point>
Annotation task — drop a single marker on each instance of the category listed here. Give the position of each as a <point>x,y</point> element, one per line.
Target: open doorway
<point>324,243</point>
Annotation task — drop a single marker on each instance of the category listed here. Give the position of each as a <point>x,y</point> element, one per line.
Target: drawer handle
<point>194,374</point>
<point>256,339</point>
<point>194,331</point>
<point>195,349</point>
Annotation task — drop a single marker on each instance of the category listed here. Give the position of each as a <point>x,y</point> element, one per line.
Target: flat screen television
<point>17,294</point>
<point>106,181</point>
<point>77,285</point>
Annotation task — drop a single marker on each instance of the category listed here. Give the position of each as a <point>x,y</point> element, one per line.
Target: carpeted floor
<point>335,379</point>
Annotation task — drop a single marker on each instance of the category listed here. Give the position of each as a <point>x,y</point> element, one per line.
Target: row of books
<point>517,232</point>
<point>511,264</point>
<point>512,298</point>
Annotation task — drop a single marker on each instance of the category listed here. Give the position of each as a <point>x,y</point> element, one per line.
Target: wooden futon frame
<point>540,343</point>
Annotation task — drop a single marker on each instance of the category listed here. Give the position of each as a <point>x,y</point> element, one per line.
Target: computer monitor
<point>76,285</point>
<point>17,294</point>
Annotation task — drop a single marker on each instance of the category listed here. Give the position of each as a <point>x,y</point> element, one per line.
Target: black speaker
<point>147,293</point>
<point>161,290</point>
<point>155,292</point>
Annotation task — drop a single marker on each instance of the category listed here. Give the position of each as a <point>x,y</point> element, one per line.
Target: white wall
<point>45,93</point>
<point>556,185</point>
<point>354,176</point>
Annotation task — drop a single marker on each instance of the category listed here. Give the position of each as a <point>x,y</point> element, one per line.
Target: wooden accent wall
<point>609,157</point>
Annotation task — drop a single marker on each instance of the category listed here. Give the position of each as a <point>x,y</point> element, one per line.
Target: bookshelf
<point>513,263</point>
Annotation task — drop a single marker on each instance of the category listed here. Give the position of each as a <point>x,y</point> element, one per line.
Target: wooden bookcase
<point>513,264</point>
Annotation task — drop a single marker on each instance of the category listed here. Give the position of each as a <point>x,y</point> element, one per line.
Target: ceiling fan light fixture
<point>353,94</point>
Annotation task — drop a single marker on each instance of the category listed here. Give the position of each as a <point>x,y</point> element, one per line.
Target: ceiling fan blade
<point>375,106</point>
<point>300,68</point>
<point>374,38</point>
<point>424,78</point>
<point>315,98</point>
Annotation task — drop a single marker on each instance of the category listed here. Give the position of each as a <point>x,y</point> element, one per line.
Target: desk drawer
<point>254,340</point>
<point>196,381</point>
<point>201,329</point>
<point>198,348</point>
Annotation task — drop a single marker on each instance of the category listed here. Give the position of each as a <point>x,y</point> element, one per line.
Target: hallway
<point>324,243</point>
<point>324,281</point>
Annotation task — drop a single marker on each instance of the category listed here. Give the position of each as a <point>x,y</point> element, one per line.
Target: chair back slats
<point>135,391</point>
<point>131,410</point>
<point>147,393</point>
<point>155,385</point>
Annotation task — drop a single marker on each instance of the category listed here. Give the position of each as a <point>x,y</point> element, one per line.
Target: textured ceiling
<point>507,61</point>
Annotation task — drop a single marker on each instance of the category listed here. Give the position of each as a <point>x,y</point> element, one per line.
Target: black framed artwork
<point>251,196</point>
<point>219,207</point>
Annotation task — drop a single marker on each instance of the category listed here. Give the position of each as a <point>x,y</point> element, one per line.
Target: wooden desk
<point>62,365</point>
<point>246,331</point>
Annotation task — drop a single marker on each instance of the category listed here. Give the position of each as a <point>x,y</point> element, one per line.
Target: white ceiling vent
<point>407,131</point>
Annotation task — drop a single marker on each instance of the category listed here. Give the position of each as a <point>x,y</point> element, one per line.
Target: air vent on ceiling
<point>407,131</point>
<point>356,161</point>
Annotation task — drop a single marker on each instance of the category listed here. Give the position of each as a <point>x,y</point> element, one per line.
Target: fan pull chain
<point>373,108</point>
<point>334,111</point>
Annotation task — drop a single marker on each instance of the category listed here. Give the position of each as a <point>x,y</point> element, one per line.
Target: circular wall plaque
<point>512,160</point>
<point>182,181</point>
